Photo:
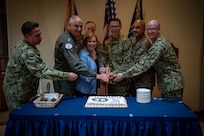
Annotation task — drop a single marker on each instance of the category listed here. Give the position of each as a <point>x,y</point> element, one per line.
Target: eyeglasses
<point>152,29</point>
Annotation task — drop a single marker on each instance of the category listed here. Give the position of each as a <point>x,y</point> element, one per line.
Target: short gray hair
<point>72,18</point>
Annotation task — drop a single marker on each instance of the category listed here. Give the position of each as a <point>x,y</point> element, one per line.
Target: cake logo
<point>106,102</point>
<point>100,99</point>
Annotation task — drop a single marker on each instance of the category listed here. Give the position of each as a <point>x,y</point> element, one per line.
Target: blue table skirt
<point>70,118</point>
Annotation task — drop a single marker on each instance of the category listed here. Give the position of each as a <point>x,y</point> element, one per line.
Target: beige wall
<point>181,23</point>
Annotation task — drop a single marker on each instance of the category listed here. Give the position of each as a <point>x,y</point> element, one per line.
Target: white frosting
<point>143,95</point>
<point>106,102</point>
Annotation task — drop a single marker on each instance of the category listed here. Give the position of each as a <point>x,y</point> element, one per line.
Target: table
<point>71,118</point>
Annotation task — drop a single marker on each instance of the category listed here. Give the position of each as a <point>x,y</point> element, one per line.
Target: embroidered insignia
<point>68,46</point>
<point>68,39</point>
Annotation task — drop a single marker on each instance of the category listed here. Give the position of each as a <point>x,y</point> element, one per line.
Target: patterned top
<point>165,62</point>
<point>146,79</point>
<point>119,53</point>
<point>23,71</point>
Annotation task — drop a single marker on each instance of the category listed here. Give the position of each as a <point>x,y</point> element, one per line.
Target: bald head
<point>140,23</point>
<point>153,30</point>
<point>138,29</point>
<point>154,23</point>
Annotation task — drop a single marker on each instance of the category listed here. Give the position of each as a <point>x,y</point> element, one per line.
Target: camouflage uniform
<point>146,79</point>
<point>119,58</point>
<point>23,71</point>
<point>79,43</point>
<point>165,62</point>
<point>67,59</point>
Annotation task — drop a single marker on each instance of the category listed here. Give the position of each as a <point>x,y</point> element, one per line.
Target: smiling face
<point>138,29</point>
<point>91,44</point>
<point>75,26</point>
<point>89,28</point>
<point>114,29</point>
<point>153,30</point>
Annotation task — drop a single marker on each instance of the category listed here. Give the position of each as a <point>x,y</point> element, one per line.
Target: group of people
<point>81,62</point>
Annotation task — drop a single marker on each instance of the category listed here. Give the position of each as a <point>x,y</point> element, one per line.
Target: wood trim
<point>4,57</point>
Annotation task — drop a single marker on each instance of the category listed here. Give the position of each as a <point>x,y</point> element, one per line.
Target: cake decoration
<point>106,102</point>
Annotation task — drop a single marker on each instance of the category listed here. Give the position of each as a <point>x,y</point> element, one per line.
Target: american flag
<point>110,12</point>
<point>136,15</point>
<point>71,10</point>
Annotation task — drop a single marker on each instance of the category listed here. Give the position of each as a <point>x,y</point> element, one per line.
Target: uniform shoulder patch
<point>68,45</point>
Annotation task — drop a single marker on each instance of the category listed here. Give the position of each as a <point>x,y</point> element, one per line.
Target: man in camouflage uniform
<point>118,49</point>
<point>67,59</point>
<point>25,67</point>
<point>140,46</point>
<point>164,60</point>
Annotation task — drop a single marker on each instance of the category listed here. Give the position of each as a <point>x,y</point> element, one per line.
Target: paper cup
<point>143,95</point>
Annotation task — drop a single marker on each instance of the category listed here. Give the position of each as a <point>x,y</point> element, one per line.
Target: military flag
<point>70,11</point>
<point>110,12</point>
<point>136,15</point>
